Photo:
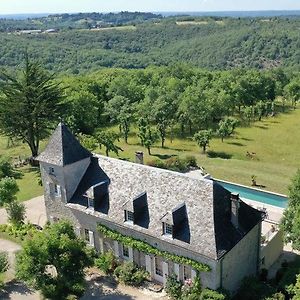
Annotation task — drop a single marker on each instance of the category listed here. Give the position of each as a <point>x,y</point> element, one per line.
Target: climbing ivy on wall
<point>147,248</point>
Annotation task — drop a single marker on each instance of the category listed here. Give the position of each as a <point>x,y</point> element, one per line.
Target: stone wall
<point>272,250</point>
<point>88,221</point>
<point>241,261</point>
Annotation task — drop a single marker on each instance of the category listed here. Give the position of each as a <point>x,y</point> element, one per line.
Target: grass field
<point>275,142</point>
<point>28,183</point>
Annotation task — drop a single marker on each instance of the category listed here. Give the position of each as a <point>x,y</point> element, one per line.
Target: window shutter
<point>116,247</point>
<point>148,264</point>
<point>165,269</point>
<point>130,251</point>
<point>193,274</point>
<point>101,249</point>
<point>58,191</point>
<point>78,231</point>
<point>91,236</point>
<point>176,270</point>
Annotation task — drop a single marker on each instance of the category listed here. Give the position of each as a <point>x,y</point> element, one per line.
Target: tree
<point>107,139</point>
<point>146,135</point>
<point>8,190</point>
<point>150,138</point>
<point>142,127</point>
<point>226,127</point>
<point>16,212</point>
<point>163,110</point>
<point>6,169</point>
<point>30,104</point>
<point>292,91</point>
<point>87,141</point>
<point>291,217</point>
<point>203,138</point>
<point>121,110</point>
<point>53,261</point>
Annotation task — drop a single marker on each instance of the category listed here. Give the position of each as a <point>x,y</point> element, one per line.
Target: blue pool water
<point>255,195</point>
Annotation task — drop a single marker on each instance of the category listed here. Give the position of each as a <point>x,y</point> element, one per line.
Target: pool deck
<point>274,213</point>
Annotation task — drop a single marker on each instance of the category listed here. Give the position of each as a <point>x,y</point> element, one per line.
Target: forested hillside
<point>211,43</point>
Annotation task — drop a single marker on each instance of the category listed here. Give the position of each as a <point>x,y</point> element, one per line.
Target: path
<point>35,211</point>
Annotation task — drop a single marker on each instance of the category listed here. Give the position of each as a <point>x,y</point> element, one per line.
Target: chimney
<point>139,157</point>
<point>235,205</point>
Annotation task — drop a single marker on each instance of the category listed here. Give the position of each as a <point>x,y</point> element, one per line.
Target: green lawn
<point>28,183</point>
<point>275,141</point>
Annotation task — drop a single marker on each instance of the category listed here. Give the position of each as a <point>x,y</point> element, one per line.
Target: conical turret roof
<point>63,148</point>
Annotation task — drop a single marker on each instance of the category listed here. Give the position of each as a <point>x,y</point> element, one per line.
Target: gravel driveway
<point>35,211</point>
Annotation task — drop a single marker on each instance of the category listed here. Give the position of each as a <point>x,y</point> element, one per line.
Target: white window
<point>91,203</point>
<point>57,191</point>
<point>168,229</point>
<point>89,237</point>
<point>129,216</point>
<point>125,252</point>
<point>158,266</point>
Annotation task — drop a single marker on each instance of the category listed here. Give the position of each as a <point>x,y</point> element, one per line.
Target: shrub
<point>253,289</point>
<point>3,262</point>
<point>208,294</point>
<point>173,287</point>
<point>176,164</point>
<point>191,161</point>
<point>156,163</point>
<point>277,296</point>
<point>129,273</point>
<point>107,262</point>
<point>18,231</point>
<point>191,289</point>
<point>16,212</point>
<point>263,275</point>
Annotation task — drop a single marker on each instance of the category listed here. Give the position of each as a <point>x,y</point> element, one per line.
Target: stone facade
<point>241,261</point>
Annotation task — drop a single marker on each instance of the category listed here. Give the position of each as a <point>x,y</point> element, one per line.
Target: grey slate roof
<point>207,229</point>
<point>63,148</point>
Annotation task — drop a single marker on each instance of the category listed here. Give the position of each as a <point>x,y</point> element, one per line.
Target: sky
<point>60,6</point>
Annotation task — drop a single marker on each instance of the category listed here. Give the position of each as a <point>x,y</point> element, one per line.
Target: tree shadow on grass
<point>164,156</point>
<point>170,148</point>
<point>218,154</point>
<point>245,139</point>
<point>262,127</point>
<point>236,144</point>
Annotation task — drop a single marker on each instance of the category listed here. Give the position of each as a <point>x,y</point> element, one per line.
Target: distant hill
<point>87,42</point>
<point>236,14</point>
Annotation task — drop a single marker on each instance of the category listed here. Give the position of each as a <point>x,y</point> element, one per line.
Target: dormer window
<point>167,229</point>
<point>129,216</point>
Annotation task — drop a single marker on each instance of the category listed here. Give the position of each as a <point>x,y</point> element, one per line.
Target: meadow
<point>274,143</point>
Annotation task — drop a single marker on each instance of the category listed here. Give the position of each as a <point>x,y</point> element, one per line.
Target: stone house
<point>197,220</point>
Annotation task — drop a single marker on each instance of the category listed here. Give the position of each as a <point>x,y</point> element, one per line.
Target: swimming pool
<point>254,194</point>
